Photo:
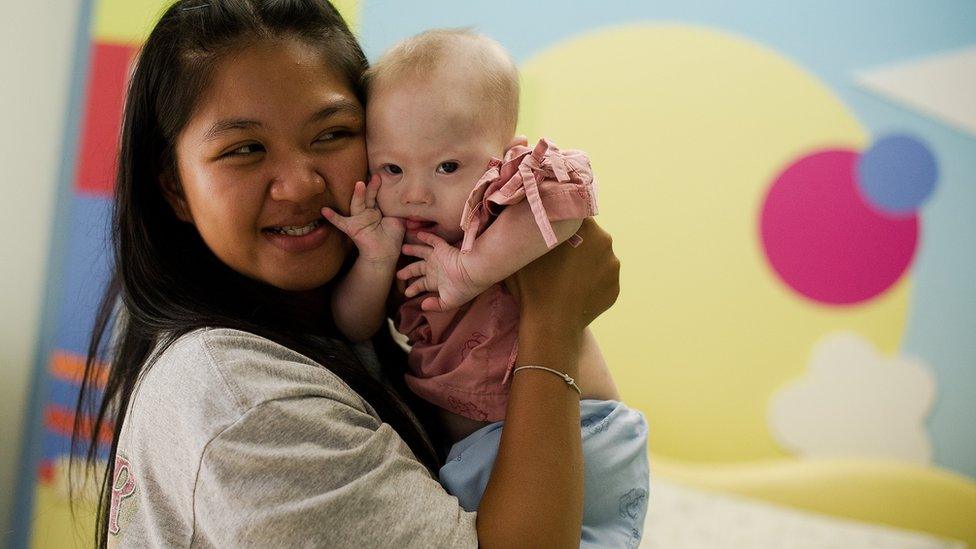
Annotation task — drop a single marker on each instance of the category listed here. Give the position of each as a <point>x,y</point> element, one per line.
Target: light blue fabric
<point>616,476</point>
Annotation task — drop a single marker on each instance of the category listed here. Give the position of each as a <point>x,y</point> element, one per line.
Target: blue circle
<point>897,174</point>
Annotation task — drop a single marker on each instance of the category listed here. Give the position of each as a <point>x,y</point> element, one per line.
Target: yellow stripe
<point>130,21</point>
<point>350,10</point>
<point>126,21</point>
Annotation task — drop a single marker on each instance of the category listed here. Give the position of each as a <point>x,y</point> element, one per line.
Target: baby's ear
<point>518,140</point>
<point>173,192</point>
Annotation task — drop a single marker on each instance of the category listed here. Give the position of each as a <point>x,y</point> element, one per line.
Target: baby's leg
<point>616,475</point>
<point>512,242</point>
<point>615,481</point>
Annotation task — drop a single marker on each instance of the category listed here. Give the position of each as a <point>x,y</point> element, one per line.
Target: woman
<point>240,416</point>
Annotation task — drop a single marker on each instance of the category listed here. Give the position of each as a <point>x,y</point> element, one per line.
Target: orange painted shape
<point>60,420</point>
<point>70,367</point>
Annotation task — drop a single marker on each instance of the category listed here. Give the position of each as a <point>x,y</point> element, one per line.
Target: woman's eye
<point>448,167</point>
<point>392,169</point>
<point>332,136</point>
<point>245,150</point>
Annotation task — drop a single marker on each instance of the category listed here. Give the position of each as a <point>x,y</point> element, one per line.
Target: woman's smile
<point>297,238</point>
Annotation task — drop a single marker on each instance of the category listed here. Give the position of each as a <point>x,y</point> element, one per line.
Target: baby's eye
<point>448,167</point>
<point>392,169</point>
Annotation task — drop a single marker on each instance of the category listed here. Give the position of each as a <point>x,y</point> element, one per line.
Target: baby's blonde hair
<point>456,50</point>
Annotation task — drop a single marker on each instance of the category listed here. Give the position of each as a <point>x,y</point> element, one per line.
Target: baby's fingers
<point>358,199</point>
<point>372,189</point>
<point>431,239</point>
<point>413,270</point>
<point>433,303</point>
<point>419,286</point>
<point>416,250</point>
<point>342,223</point>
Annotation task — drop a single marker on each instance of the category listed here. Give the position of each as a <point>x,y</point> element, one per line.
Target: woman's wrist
<point>544,341</point>
<point>554,323</point>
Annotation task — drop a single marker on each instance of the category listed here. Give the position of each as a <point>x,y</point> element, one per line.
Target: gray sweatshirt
<point>231,440</point>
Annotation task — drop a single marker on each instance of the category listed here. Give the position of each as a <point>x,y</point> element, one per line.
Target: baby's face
<point>424,143</point>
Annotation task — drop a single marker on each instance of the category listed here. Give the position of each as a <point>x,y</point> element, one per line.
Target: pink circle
<point>824,241</point>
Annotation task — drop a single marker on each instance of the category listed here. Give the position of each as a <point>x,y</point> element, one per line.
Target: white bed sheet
<point>680,517</point>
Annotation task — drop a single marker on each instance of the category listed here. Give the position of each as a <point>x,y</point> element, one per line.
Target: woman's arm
<point>535,493</point>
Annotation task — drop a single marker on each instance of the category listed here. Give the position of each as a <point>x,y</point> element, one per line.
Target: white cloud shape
<point>853,402</point>
<point>941,86</point>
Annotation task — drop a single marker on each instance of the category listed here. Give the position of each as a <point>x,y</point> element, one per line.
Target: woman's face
<point>275,136</point>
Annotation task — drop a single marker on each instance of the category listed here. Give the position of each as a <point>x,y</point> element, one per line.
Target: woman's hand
<point>569,286</point>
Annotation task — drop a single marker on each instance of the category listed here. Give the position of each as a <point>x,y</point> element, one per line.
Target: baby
<point>452,186</point>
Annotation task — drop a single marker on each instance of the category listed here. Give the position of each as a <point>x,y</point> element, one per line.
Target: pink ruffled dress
<point>462,359</point>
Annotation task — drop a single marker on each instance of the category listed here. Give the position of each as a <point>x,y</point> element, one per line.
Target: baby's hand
<point>441,270</point>
<point>378,238</point>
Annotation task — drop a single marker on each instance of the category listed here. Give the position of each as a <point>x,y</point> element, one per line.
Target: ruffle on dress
<point>558,185</point>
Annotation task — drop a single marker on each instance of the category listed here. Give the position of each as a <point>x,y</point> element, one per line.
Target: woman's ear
<point>173,192</point>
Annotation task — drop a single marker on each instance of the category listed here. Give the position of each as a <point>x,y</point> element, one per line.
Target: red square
<point>102,117</point>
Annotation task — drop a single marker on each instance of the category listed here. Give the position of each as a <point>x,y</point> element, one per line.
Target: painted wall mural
<point>791,188</point>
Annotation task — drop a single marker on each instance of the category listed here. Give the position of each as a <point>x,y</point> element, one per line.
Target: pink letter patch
<point>123,486</point>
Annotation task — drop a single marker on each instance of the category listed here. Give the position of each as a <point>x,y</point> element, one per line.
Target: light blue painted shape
<point>896,174</point>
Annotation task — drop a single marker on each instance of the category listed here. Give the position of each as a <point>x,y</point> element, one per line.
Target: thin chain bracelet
<point>569,380</point>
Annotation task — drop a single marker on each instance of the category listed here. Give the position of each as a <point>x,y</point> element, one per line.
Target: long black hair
<point>165,281</point>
